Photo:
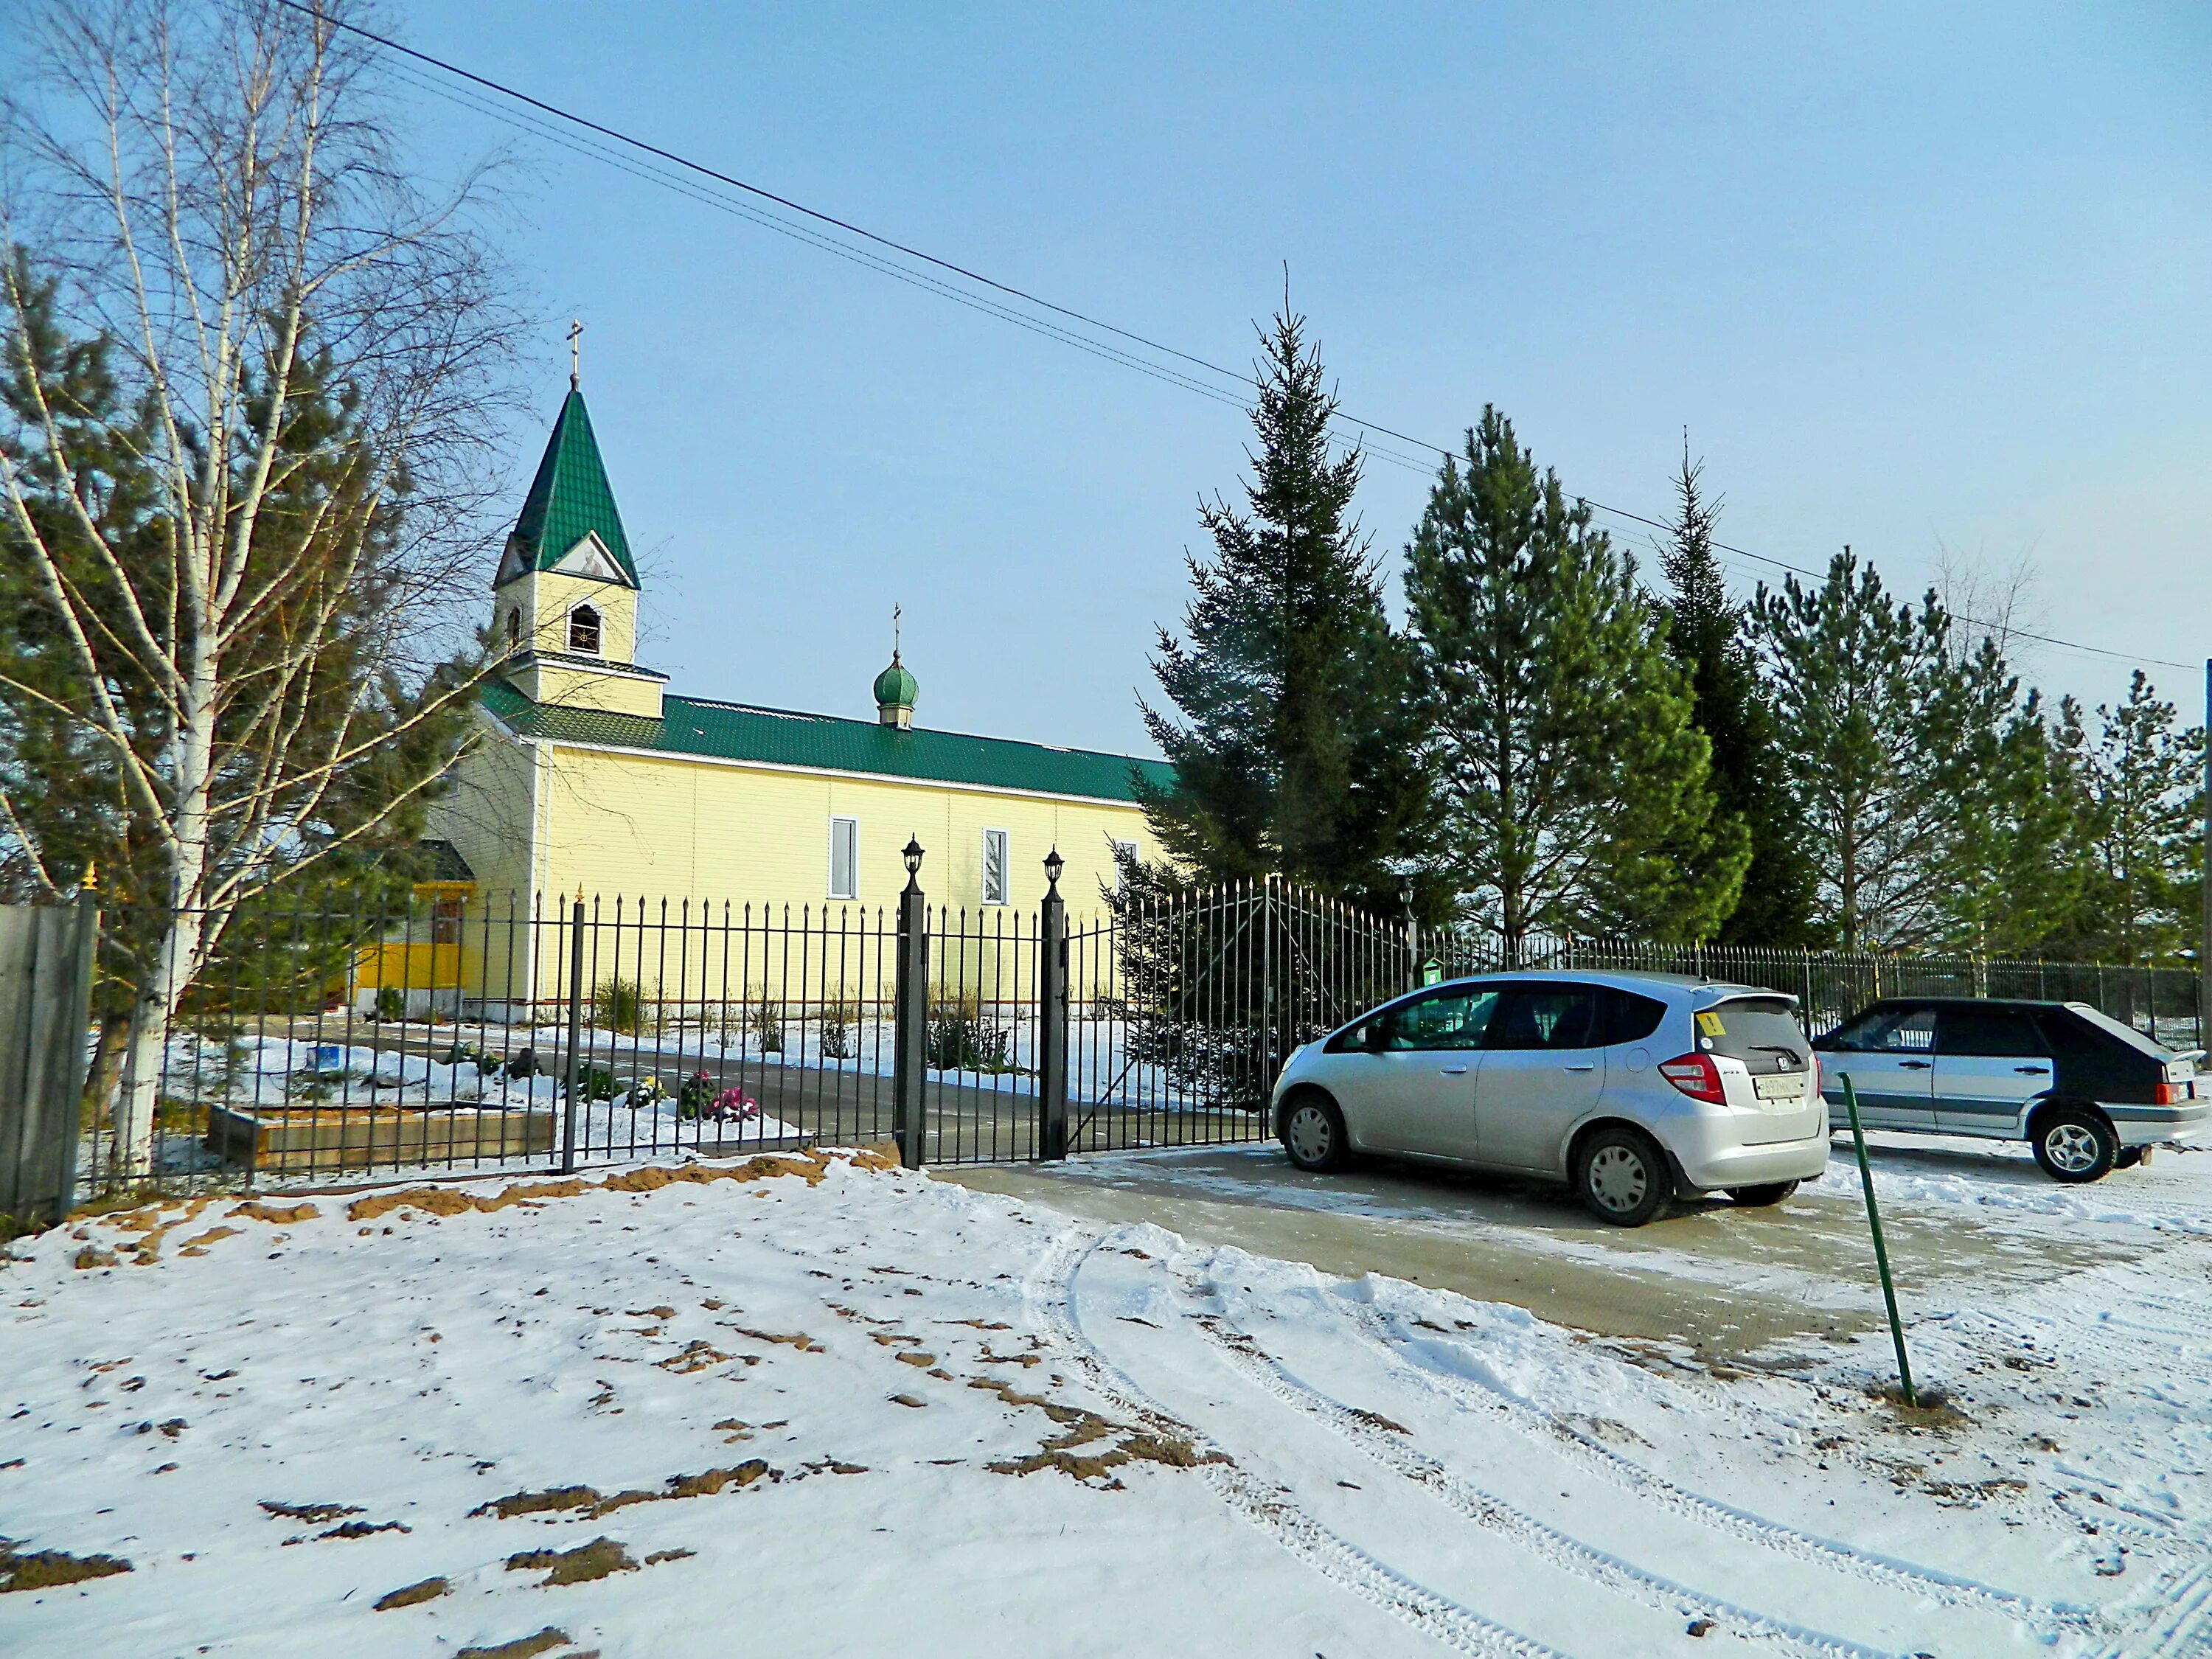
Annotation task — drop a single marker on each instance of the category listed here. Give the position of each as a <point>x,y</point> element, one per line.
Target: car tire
<point>1313,1132</point>
<point>1621,1175</point>
<point>1765,1195</point>
<point>2076,1144</point>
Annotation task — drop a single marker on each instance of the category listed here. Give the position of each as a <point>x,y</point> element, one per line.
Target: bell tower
<point>564,603</point>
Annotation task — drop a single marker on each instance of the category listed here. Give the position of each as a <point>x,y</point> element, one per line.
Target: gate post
<point>1052,1015</point>
<point>45,999</point>
<point>574,1067</point>
<point>910,1038</point>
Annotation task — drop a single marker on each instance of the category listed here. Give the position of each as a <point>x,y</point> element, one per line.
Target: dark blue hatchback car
<point>2087,1092</point>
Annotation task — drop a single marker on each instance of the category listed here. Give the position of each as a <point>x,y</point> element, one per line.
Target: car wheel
<point>1621,1177</point>
<point>1766,1192</point>
<point>1313,1133</point>
<point>2074,1144</point>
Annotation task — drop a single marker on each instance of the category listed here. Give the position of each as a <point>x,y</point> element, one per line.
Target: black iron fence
<point>318,1044</point>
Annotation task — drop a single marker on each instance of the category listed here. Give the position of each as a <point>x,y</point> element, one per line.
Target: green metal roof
<point>570,496</point>
<point>777,737</point>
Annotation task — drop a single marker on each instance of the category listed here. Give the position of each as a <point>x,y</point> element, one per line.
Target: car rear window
<point>2111,1027</point>
<point>1758,1030</point>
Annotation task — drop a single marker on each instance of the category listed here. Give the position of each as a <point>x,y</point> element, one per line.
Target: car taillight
<point>2170,1094</point>
<point>1813,1066</point>
<point>1696,1076</point>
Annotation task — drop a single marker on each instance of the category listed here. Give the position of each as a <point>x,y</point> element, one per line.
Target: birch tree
<point>204,205</point>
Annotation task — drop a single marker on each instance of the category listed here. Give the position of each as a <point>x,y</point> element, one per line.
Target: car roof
<point>1972,1002</point>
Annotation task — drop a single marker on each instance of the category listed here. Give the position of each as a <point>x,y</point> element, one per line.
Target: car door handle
<point>1584,1066</point>
<point>1912,1065</point>
<point>2033,1071</point>
<point>1455,1071</point>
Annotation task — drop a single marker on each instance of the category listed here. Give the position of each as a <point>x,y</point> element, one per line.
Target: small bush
<point>764,1024</point>
<point>595,1083</point>
<point>618,1004</point>
<point>838,1038</point>
<point>962,1042</point>
<point>391,1004</point>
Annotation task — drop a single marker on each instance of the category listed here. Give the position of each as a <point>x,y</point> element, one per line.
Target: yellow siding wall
<point>546,597</point>
<point>567,687</point>
<point>675,828</point>
<point>632,827</point>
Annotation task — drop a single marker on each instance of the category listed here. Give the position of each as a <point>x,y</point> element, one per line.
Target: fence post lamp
<point>910,1010</point>
<point>1052,1015</point>
<point>1413,934</point>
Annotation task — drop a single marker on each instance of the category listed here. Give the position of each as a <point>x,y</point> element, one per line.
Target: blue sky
<point>1910,275</point>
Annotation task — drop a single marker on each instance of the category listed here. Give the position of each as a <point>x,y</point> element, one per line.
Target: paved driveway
<point>1964,1222</point>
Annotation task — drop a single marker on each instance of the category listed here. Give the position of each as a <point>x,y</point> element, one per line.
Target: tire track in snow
<point>2177,1620</point>
<point>1048,1297</point>
<point>2046,1618</point>
<point>1393,1452</point>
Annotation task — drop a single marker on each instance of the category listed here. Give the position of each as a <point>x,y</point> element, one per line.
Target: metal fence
<point>320,1043</point>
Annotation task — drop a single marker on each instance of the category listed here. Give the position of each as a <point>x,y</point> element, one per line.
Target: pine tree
<point>1291,727</point>
<point>1866,709</point>
<point>1707,636</point>
<point>1573,783</point>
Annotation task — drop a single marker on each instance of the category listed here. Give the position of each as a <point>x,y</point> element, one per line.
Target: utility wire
<point>661,174</point>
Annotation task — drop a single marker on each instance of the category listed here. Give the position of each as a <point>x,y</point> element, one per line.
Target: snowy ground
<point>840,1409</point>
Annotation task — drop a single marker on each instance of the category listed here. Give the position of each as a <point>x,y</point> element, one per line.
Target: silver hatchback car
<point>1634,1088</point>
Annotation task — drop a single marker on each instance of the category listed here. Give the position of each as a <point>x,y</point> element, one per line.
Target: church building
<point>595,776</point>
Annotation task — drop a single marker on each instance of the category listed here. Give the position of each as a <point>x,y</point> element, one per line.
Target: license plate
<point>1786,1086</point>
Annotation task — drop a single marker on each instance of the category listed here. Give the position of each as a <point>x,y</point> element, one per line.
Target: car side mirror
<point>1368,1038</point>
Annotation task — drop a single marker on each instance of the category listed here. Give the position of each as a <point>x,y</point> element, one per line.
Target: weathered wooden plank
<point>45,994</point>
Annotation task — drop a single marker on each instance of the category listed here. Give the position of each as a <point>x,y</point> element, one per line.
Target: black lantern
<point>912,854</point>
<point>1053,864</point>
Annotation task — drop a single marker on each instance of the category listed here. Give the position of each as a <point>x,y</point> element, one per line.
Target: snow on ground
<point>815,1405</point>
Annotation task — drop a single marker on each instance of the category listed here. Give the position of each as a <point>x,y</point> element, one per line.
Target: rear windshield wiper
<point>1788,1053</point>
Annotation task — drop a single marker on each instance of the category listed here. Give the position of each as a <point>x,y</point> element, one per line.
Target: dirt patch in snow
<point>591,1503</point>
<point>32,1569</point>
<point>810,1166</point>
<point>316,1514</point>
<point>523,1647</point>
<point>408,1595</point>
<point>283,1215</point>
<point>601,1559</point>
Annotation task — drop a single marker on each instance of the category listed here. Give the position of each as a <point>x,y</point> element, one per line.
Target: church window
<point>514,626</point>
<point>995,866</point>
<point>584,630</point>
<point>844,858</point>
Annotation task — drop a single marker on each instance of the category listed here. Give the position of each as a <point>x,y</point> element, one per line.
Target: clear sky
<point>1911,275</point>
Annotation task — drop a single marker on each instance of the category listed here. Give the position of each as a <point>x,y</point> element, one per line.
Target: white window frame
<point>1006,895</point>
<point>598,628</point>
<point>851,829</point>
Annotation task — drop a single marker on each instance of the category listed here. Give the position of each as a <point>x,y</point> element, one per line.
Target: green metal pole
<point>1881,1250</point>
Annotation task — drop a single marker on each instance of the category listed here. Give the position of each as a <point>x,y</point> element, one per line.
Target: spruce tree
<point>1291,724</point>
<point>2145,775</point>
<point>1572,780</point>
<point>1750,777</point>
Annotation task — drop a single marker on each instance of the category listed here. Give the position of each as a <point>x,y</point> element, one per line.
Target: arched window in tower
<point>584,630</point>
<point>514,626</point>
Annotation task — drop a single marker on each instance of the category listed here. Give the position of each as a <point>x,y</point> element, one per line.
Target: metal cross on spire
<point>576,352</point>
<point>894,633</point>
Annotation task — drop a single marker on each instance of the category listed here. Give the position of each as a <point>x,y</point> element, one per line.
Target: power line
<point>661,175</point>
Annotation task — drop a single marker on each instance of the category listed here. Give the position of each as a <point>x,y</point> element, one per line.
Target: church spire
<point>570,501</point>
